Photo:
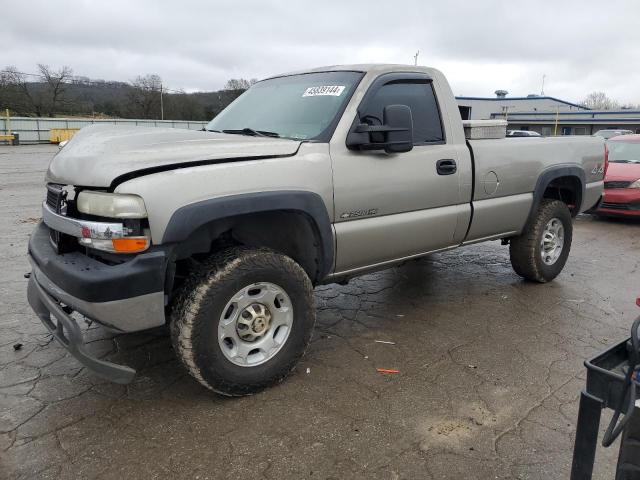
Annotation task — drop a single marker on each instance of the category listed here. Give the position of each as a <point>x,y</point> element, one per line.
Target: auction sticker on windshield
<point>331,90</point>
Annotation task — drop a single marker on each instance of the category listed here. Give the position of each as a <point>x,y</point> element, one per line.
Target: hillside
<point>78,96</point>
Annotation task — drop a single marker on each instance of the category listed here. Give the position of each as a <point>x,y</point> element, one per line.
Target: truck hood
<point>105,155</point>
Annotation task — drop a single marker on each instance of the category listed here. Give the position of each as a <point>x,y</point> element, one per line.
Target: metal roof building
<point>480,108</point>
<point>573,123</point>
<point>547,115</point>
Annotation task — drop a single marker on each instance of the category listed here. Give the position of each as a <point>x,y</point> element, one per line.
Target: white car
<point>610,132</point>
<point>522,133</point>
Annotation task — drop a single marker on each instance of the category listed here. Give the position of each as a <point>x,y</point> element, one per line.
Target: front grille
<point>615,206</point>
<point>56,200</point>
<point>617,184</point>
<point>54,196</point>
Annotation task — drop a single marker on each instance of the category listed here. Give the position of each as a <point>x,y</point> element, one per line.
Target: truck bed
<point>505,168</point>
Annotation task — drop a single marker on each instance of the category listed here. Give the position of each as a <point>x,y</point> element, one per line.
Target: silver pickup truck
<point>307,178</point>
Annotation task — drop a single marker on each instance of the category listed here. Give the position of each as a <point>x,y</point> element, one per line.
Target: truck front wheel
<point>243,320</point>
<point>541,250</point>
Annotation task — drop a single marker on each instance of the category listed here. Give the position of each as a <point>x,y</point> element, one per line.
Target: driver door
<point>393,206</point>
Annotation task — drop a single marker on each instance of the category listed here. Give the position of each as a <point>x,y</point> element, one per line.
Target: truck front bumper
<point>66,331</point>
<point>126,297</point>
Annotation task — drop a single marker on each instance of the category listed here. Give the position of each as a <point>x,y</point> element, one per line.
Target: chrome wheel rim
<point>552,241</point>
<point>255,324</point>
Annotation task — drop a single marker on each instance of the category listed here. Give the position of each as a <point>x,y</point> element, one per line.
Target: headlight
<point>635,184</point>
<point>111,205</point>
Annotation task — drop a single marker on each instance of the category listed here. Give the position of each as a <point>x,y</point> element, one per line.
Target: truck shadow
<point>369,305</point>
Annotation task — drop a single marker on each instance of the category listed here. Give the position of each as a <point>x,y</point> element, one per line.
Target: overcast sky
<point>480,45</point>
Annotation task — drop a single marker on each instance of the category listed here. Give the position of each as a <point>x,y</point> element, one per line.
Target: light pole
<point>161,104</point>
<point>415,58</point>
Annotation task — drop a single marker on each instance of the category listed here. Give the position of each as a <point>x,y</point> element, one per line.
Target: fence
<point>36,130</point>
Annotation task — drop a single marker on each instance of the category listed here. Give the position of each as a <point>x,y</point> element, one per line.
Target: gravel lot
<point>490,372</point>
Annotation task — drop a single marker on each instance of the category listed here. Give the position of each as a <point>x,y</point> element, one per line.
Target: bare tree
<point>145,96</point>
<point>8,92</point>
<point>239,84</point>
<point>35,97</point>
<point>600,101</point>
<point>55,82</point>
<point>21,96</point>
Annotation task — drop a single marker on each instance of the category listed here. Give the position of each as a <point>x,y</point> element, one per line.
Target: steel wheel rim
<point>255,324</point>
<point>552,241</point>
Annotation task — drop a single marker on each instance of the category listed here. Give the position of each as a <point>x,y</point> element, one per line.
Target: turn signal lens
<point>130,244</point>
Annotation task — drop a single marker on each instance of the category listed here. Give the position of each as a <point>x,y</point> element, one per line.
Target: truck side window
<point>419,96</point>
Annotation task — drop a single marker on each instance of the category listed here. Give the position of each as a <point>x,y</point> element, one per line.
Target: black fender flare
<point>189,218</point>
<point>548,176</point>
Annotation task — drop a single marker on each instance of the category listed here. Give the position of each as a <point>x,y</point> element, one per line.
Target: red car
<point>622,179</point>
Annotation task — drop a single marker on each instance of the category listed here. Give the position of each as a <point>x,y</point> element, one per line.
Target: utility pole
<point>415,58</point>
<point>505,110</point>
<point>161,104</point>
<point>544,75</point>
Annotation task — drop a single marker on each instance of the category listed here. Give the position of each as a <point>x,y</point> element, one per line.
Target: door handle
<point>446,166</point>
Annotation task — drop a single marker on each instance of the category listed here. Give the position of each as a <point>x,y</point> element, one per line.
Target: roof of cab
<point>362,67</point>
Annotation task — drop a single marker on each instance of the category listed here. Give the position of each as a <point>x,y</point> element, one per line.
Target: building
<point>546,115</point>
<point>573,123</point>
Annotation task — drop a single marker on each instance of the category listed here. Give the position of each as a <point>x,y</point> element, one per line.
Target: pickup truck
<point>307,178</point>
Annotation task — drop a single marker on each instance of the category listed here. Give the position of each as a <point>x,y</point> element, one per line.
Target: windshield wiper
<point>252,132</point>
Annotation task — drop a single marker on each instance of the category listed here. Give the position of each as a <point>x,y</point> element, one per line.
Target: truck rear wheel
<point>540,252</point>
<point>243,320</point>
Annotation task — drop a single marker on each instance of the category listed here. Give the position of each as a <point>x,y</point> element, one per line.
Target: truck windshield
<point>624,152</point>
<point>302,107</point>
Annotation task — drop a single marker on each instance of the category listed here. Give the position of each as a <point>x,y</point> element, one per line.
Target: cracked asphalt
<point>490,369</point>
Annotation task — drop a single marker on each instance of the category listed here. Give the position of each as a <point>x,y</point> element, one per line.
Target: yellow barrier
<point>57,135</point>
<point>9,138</point>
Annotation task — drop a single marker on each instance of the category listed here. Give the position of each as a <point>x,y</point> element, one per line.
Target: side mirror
<point>395,135</point>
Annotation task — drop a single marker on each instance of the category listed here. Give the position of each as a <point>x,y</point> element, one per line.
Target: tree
<point>44,97</point>
<point>144,97</point>
<point>600,101</point>
<point>21,97</point>
<point>55,83</point>
<point>239,84</point>
<point>8,91</point>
